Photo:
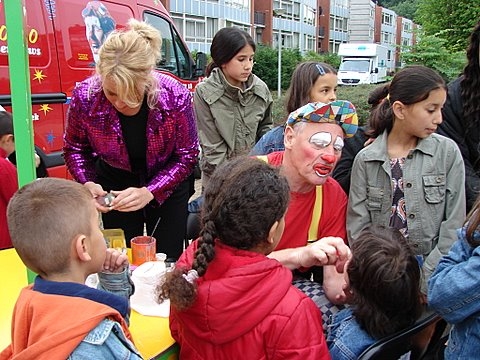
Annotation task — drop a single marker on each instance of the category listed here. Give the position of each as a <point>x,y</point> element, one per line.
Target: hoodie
<point>51,326</point>
<point>246,307</point>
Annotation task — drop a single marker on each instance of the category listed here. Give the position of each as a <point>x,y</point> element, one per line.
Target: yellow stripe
<point>317,213</point>
<point>317,209</point>
<point>262,157</point>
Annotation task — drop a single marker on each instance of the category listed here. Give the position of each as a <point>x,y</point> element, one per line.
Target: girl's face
<point>422,119</point>
<point>324,89</point>
<point>239,68</point>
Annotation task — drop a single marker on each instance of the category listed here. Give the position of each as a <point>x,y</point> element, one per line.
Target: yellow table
<point>150,333</point>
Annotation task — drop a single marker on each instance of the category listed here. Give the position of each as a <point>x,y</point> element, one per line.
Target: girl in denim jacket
<point>383,283</point>
<point>454,290</point>
<point>410,178</point>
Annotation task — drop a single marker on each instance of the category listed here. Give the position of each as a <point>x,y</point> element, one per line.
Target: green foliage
<point>266,65</point>
<point>407,9</point>
<point>433,51</point>
<point>329,58</point>
<point>357,95</point>
<point>450,20</point>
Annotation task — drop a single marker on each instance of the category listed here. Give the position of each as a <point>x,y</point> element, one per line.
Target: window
<point>195,29</point>
<point>175,57</point>
<point>387,19</point>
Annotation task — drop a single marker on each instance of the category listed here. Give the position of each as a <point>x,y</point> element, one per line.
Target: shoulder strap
<point>316,214</point>
<point>263,158</point>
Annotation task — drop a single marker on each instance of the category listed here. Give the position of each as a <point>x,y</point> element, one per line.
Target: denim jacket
<point>454,293</point>
<point>434,189</point>
<point>346,340</point>
<point>106,341</point>
<point>270,142</point>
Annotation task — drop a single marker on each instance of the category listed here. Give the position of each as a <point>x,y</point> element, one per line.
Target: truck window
<point>355,65</point>
<point>175,57</point>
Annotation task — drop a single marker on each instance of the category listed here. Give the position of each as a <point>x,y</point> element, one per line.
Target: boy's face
<point>98,245</point>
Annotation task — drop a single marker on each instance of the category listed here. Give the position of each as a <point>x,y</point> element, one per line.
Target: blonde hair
<point>127,57</point>
<point>44,217</point>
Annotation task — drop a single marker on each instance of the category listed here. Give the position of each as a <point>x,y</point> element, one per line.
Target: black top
<point>134,131</point>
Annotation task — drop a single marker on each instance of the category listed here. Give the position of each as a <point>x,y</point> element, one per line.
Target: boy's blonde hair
<point>44,217</point>
<point>127,57</point>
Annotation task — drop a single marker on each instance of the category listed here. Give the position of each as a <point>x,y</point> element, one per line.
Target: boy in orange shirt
<point>54,228</point>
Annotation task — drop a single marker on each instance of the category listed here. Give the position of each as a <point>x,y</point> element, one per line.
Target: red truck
<point>63,41</point>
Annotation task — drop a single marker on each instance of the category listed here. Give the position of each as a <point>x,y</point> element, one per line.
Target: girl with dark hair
<point>383,282</point>
<point>312,81</point>
<point>461,116</point>
<point>410,178</point>
<point>453,290</point>
<point>227,297</point>
<point>233,106</point>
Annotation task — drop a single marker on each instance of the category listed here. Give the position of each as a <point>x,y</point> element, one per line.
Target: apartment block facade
<point>307,25</point>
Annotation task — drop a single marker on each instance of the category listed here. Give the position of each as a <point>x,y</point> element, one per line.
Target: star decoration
<point>39,76</point>
<point>50,138</point>
<point>45,108</point>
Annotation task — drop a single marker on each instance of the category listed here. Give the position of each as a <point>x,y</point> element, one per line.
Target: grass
<point>357,95</point>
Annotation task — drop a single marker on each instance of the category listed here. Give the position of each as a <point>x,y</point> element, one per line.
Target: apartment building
<point>307,25</point>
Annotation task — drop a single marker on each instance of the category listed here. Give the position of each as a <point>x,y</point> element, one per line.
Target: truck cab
<point>362,64</point>
<point>63,41</point>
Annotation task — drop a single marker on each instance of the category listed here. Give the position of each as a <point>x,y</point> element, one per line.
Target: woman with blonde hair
<point>131,132</point>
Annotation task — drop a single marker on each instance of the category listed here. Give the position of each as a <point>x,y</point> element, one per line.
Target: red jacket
<point>247,308</point>
<point>8,186</point>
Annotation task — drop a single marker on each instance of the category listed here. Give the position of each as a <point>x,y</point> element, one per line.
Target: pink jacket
<point>93,130</point>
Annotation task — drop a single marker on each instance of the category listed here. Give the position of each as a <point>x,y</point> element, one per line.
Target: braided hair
<point>243,200</point>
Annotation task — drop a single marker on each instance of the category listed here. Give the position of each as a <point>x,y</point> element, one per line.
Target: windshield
<point>355,65</point>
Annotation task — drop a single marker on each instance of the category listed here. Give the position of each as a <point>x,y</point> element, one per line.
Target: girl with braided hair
<point>225,292</point>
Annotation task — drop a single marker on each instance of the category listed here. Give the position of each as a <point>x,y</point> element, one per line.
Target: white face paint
<point>322,140</point>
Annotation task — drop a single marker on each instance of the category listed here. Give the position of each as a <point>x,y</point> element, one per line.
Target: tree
<point>453,21</point>
<point>407,9</point>
<point>433,52</point>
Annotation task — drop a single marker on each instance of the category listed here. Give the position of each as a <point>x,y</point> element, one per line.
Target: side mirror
<point>200,64</point>
<point>376,71</point>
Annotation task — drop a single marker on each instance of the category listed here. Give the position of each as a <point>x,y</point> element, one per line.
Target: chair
<point>422,339</point>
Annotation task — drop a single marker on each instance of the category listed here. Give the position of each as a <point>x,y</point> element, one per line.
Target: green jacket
<point>433,178</point>
<point>230,120</point>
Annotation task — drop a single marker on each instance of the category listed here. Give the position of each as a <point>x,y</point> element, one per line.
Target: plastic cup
<point>144,249</point>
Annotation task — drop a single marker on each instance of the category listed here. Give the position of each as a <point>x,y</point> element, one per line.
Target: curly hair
<point>243,200</point>
<point>384,277</point>
<point>410,85</point>
<point>470,83</point>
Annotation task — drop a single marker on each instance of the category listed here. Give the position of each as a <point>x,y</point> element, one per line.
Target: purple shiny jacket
<point>93,130</point>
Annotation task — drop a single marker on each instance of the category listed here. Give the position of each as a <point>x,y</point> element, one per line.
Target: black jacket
<point>466,136</point>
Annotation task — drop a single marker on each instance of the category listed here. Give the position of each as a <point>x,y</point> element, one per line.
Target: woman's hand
<point>131,199</point>
<point>97,192</point>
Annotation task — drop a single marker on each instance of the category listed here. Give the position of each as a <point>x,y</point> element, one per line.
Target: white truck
<point>362,64</point>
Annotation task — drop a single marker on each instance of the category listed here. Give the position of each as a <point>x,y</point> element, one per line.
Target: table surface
<point>150,333</point>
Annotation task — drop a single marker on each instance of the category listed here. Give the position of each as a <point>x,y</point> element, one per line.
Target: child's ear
<point>271,233</point>
<point>398,110</point>
<point>289,137</point>
<point>81,248</point>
